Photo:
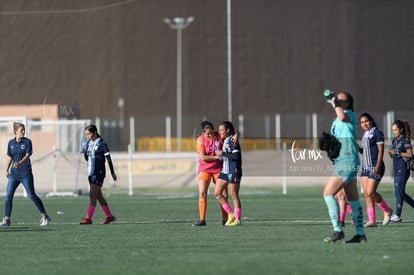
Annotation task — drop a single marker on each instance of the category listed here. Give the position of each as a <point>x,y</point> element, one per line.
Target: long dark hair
<point>369,117</point>
<point>350,100</point>
<point>404,127</point>
<point>228,126</point>
<point>93,129</point>
<point>206,124</point>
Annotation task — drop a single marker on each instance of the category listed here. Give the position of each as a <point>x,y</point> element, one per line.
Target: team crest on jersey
<point>23,147</point>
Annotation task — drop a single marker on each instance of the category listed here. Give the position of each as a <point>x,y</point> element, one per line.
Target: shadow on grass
<point>24,229</point>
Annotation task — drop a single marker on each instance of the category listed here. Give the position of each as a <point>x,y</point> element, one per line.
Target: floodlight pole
<point>229,68</point>
<point>178,24</point>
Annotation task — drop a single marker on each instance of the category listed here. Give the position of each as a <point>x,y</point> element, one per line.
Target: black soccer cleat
<point>336,236</point>
<point>200,223</point>
<point>357,239</point>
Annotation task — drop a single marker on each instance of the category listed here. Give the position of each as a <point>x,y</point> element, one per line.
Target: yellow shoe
<point>230,219</point>
<point>234,223</point>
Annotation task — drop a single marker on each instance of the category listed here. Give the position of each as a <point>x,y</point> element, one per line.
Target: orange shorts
<point>206,176</point>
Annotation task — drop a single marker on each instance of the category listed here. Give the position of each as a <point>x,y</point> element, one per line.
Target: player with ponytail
<point>346,166</point>
<point>230,175</point>
<point>401,153</point>
<point>96,152</point>
<point>372,169</point>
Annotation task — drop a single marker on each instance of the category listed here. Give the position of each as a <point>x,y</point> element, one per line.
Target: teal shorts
<point>347,172</point>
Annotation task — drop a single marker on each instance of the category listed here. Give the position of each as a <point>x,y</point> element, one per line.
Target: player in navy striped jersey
<point>372,169</point>
<point>230,175</point>
<point>96,151</point>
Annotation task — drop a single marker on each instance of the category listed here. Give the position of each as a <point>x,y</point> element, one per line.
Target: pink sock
<point>342,215</point>
<point>106,210</point>
<point>371,214</point>
<point>91,210</point>
<point>349,208</point>
<point>237,213</point>
<point>384,206</point>
<point>226,206</point>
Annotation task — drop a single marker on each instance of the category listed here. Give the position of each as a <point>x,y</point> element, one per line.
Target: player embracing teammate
<point>230,175</point>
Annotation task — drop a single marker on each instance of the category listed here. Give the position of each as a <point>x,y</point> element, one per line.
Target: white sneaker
<point>45,220</point>
<point>395,218</point>
<point>5,222</point>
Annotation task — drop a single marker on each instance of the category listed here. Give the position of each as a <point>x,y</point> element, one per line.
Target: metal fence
<point>262,129</point>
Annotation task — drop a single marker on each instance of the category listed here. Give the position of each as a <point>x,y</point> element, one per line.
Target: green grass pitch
<point>280,234</point>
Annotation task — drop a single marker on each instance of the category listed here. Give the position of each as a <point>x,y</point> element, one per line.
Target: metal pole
<point>121,104</point>
<point>277,131</point>
<point>315,129</point>
<point>241,125</point>
<point>178,24</point>
<point>54,160</point>
<point>130,183</point>
<point>179,88</point>
<point>168,134</point>
<point>229,69</point>
<point>132,133</point>
<point>284,169</point>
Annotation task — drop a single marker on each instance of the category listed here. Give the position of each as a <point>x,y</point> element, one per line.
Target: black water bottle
<point>328,94</point>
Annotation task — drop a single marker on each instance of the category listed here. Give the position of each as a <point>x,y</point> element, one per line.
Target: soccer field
<point>280,234</point>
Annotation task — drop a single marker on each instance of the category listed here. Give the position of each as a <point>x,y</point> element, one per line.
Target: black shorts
<point>96,179</point>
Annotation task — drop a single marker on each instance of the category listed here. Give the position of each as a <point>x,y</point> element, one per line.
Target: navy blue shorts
<point>368,173</point>
<point>230,177</point>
